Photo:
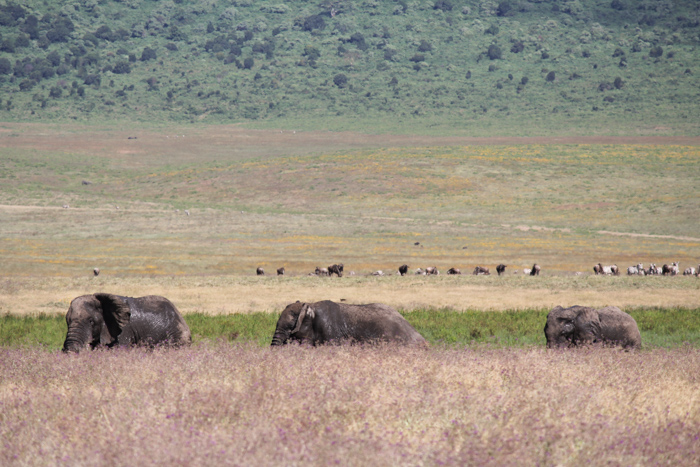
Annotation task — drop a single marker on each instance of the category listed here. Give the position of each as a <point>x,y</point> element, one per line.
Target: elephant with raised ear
<point>330,322</point>
<point>109,320</point>
<point>580,325</point>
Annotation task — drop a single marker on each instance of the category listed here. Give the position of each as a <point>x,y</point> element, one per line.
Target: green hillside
<point>469,66</point>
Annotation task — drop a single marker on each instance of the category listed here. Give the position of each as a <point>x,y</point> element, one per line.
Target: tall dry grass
<point>242,405</point>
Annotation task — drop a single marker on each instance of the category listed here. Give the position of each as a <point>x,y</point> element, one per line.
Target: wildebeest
<point>336,269</point>
<point>280,271</point>
<point>598,269</point>
<point>481,271</point>
<point>535,270</point>
<point>432,270</point>
<point>500,269</point>
<point>321,271</point>
<point>672,270</point>
<point>260,272</point>
<point>403,269</point>
<point>96,272</point>
<point>453,271</point>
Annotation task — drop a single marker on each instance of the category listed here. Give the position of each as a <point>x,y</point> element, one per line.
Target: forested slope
<point>513,66</point>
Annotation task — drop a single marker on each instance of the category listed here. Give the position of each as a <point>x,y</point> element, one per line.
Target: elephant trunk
<point>279,338</point>
<point>75,341</point>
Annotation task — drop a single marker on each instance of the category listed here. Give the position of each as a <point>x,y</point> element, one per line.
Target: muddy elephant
<point>580,325</point>
<point>330,322</point>
<point>109,320</point>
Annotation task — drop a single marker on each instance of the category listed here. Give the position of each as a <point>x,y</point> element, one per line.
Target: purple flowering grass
<point>239,404</point>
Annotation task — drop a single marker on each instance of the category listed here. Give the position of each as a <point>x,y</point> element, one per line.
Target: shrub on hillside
<point>657,51</point>
<point>417,58</point>
<point>618,83</point>
<point>148,54</point>
<point>5,66</point>
<point>121,67</point>
<point>313,22</point>
<point>551,76</point>
<point>517,47</point>
<point>340,80</point>
<point>494,52</point>
<point>425,46</point>
<point>248,63</point>
<point>444,5</point>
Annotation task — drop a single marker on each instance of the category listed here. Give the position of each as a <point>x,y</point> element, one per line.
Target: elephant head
<point>294,322</point>
<point>561,326</point>
<point>95,320</point>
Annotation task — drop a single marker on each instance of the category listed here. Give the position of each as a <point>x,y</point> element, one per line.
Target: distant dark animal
<point>132,137</point>
<point>337,323</point>
<point>96,272</point>
<point>500,269</point>
<point>416,244</point>
<point>260,272</point>
<point>481,271</point>
<point>432,271</point>
<point>535,270</point>
<point>453,271</point>
<point>106,319</point>
<point>579,325</point>
<point>671,270</point>
<point>403,269</point>
<point>336,269</point>
<point>85,182</point>
<point>280,272</point>
<point>321,271</point>
<point>598,269</point>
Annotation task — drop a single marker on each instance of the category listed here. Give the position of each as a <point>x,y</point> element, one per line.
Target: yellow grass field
<point>191,212</point>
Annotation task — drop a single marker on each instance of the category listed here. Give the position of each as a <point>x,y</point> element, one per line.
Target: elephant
<point>570,327</point>
<point>107,319</point>
<point>330,322</point>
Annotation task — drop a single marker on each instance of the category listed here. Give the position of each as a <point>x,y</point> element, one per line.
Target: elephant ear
<point>115,312</point>
<point>306,310</point>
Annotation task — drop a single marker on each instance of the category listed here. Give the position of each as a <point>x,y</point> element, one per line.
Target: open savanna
<point>241,404</point>
<point>305,199</point>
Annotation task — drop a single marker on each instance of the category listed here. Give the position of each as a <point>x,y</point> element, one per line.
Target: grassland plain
<point>241,404</point>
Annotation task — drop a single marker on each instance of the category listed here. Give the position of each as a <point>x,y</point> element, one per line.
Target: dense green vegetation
<point>660,327</point>
<point>470,66</point>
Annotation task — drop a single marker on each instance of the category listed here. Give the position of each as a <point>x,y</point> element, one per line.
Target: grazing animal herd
<point>337,269</point>
<point>108,320</point>
<point>672,269</point>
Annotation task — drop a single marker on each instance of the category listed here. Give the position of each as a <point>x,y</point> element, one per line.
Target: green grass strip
<point>660,327</point>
